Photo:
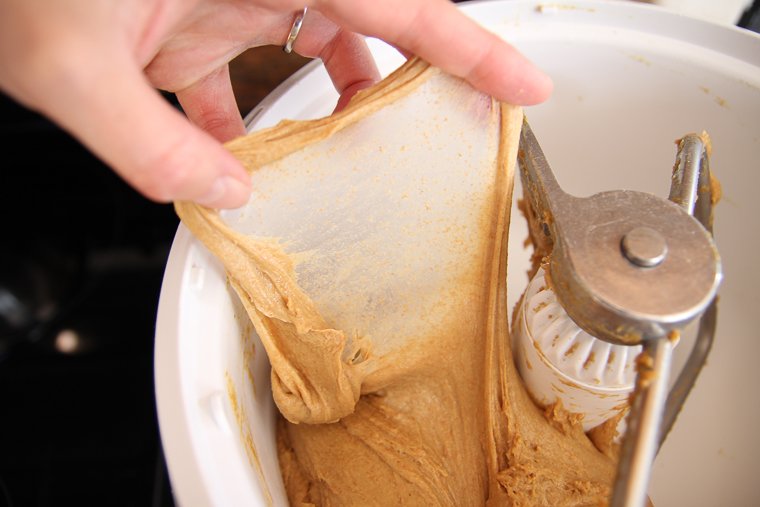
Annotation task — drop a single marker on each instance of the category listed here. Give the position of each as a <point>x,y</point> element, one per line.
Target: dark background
<point>82,255</point>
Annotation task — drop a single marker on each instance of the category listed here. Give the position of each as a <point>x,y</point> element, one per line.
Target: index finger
<point>438,32</point>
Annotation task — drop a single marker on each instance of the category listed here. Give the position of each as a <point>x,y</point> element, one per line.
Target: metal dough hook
<point>632,268</point>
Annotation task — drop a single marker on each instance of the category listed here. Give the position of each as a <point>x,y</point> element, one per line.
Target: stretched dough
<point>372,262</point>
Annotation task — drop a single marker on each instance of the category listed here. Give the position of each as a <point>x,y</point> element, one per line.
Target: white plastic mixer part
<point>559,361</point>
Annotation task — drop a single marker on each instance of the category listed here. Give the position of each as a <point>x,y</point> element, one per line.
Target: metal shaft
<point>642,437</point>
<point>692,188</point>
<point>654,410</point>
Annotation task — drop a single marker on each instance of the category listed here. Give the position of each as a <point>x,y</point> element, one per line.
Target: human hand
<point>93,67</point>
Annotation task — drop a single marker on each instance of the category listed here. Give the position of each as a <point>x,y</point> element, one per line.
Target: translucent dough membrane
<point>371,260</point>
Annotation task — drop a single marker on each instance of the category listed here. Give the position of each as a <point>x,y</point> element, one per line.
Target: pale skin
<point>93,67</point>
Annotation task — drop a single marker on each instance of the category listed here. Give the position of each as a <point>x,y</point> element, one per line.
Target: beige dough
<point>441,419</point>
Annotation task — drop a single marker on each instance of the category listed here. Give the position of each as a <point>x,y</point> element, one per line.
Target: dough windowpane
<point>371,260</point>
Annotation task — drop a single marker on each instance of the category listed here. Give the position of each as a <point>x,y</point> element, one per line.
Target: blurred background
<point>81,262</point>
<point>81,265</point>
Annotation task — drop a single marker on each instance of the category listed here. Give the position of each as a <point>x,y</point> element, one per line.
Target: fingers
<point>441,34</point>
<point>349,64</point>
<point>210,104</point>
<point>345,55</point>
<point>145,140</point>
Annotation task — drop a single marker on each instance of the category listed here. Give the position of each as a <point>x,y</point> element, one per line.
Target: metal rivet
<point>644,247</point>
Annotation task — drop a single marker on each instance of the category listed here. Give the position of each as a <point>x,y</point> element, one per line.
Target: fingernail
<point>225,192</point>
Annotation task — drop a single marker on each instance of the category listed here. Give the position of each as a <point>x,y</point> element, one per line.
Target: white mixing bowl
<point>630,79</point>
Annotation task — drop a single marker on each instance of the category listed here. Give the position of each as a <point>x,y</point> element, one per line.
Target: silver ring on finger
<point>297,22</point>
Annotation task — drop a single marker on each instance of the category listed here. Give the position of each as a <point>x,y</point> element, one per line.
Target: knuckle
<point>211,121</point>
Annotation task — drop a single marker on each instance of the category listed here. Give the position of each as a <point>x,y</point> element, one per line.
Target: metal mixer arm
<point>619,278</point>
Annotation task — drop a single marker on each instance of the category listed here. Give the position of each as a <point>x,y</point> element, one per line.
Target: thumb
<point>150,144</point>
